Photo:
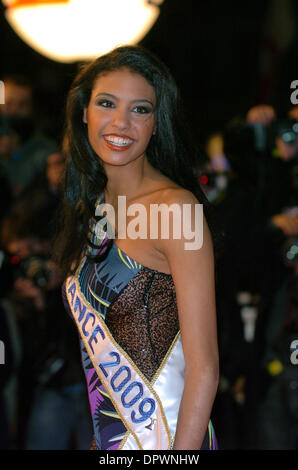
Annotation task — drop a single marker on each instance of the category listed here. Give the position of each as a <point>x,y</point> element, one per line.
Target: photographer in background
<point>23,149</point>
<point>276,142</point>
<point>277,226</point>
<point>279,139</point>
<point>234,204</point>
<point>257,213</point>
<point>278,411</point>
<point>52,403</point>
<point>263,148</point>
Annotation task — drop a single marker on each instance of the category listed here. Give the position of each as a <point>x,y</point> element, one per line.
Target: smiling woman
<point>144,307</point>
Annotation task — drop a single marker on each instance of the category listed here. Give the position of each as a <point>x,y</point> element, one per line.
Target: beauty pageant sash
<point>148,410</point>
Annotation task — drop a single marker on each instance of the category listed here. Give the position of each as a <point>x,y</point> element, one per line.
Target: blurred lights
<point>288,137</point>
<point>15,259</point>
<point>275,367</point>
<point>73,30</point>
<point>292,252</point>
<point>204,179</point>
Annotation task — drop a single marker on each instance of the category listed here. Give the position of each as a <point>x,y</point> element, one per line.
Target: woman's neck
<point>128,180</point>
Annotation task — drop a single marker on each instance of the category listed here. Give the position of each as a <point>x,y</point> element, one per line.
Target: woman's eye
<point>141,110</point>
<point>106,103</point>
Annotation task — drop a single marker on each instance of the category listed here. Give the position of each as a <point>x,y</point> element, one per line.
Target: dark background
<point>214,50</point>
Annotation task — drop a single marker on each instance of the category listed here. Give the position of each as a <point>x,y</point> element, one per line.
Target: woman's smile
<point>117,142</point>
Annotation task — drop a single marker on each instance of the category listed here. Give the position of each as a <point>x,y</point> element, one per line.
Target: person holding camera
<point>286,151</point>
<point>276,229</point>
<point>257,212</point>
<point>52,408</point>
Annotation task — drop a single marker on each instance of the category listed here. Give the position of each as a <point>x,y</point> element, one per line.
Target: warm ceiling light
<point>73,30</point>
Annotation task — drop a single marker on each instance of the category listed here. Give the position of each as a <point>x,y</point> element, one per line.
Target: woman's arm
<point>193,275</point>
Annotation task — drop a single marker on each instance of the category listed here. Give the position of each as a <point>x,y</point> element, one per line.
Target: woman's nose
<point>121,118</point>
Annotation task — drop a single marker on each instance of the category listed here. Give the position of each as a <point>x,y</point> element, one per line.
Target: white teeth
<point>118,140</point>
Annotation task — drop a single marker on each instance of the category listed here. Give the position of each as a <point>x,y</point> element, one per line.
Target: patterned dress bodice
<point>138,305</point>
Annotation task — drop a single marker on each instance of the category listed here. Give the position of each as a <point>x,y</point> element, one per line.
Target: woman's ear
<point>85,116</point>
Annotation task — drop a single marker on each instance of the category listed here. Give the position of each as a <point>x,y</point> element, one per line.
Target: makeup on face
<point>121,114</point>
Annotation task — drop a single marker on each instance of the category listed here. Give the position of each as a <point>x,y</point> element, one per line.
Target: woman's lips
<point>118,142</point>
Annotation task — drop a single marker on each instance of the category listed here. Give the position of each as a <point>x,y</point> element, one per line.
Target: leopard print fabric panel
<point>143,319</point>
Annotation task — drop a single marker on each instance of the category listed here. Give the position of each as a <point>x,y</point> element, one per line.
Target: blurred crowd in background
<point>250,174</point>
<point>43,401</point>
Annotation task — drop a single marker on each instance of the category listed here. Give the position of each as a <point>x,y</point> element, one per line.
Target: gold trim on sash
<point>123,442</point>
<point>163,363</point>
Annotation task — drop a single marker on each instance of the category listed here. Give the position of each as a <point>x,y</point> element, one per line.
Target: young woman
<point>144,306</point>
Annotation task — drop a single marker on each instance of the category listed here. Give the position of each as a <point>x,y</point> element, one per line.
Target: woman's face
<point>120,116</point>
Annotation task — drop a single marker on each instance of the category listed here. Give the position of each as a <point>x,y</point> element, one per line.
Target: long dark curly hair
<point>170,150</point>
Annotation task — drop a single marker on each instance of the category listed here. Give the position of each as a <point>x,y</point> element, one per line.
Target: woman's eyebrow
<point>110,95</point>
<point>143,101</point>
<point>103,93</point>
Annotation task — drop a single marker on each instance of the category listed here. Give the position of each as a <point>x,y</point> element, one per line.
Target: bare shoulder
<point>189,233</point>
<point>176,195</point>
